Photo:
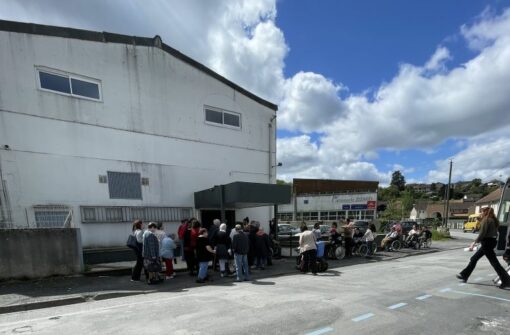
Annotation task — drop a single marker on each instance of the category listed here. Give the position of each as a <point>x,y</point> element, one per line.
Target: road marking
<point>481,295</point>
<point>445,290</point>
<point>462,284</point>
<point>401,304</point>
<point>423,297</point>
<point>363,317</point>
<point>321,331</point>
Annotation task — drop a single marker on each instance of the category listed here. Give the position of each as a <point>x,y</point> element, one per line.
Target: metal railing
<point>118,214</point>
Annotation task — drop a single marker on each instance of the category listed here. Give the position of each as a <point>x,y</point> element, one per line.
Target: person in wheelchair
<point>357,236</point>
<point>413,237</point>
<point>389,238</point>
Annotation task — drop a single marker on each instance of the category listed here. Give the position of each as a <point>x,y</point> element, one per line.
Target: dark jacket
<point>203,255</point>
<point>213,230</point>
<point>222,243</point>
<point>240,243</point>
<point>262,245</point>
<point>488,229</point>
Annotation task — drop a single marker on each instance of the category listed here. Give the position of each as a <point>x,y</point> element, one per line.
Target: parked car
<point>407,226</point>
<point>287,229</point>
<point>472,224</point>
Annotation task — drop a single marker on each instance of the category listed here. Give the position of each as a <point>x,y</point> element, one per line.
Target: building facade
<point>330,200</point>
<point>99,129</point>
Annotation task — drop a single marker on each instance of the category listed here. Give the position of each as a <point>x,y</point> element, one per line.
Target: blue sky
<point>363,87</point>
<point>362,43</point>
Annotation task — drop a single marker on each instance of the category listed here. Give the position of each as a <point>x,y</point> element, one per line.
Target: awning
<point>242,195</point>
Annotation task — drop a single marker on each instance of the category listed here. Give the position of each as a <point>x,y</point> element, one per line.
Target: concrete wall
<point>35,253</point>
<point>150,120</point>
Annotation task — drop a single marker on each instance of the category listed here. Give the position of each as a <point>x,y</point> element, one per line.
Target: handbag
<point>132,242</point>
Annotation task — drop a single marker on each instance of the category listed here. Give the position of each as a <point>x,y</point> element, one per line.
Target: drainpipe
<point>269,157</point>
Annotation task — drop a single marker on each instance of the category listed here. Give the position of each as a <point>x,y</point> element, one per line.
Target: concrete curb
<point>120,272</point>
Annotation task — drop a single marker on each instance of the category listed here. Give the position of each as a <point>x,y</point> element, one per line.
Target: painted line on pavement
<point>363,317</point>
<point>481,295</point>
<point>423,297</point>
<point>321,331</point>
<point>400,304</point>
<point>445,290</point>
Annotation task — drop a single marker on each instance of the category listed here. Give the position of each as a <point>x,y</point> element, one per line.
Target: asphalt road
<point>413,295</point>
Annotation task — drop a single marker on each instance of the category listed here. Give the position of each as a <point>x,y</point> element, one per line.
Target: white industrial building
<point>98,129</point>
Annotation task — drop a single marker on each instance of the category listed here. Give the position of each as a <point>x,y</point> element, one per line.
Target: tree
<point>398,180</point>
<point>407,202</point>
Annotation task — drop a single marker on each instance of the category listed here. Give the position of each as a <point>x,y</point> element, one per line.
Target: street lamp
<point>279,164</point>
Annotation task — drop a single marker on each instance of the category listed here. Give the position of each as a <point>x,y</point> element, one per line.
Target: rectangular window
<point>124,185</point>
<point>85,88</point>
<point>51,216</point>
<point>114,214</point>
<point>213,116</point>
<point>54,82</point>
<point>69,84</point>
<point>231,119</point>
<point>221,117</point>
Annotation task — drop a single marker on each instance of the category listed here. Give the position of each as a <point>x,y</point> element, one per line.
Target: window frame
<point>69,76</point>
<point>223,112</point>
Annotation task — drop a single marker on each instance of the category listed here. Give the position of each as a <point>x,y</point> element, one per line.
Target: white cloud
<point>421,107</point>
<point>481,159</point>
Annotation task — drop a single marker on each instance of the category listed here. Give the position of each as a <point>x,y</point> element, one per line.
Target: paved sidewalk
<point>106,281</point>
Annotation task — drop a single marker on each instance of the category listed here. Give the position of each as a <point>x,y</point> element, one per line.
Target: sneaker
<point>461,277</point>
<point>169,277</point>
<point>135,280</point>
<point>238,280</point>
<point>222,274</point>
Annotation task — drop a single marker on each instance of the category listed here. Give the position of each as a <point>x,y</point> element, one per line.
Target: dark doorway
<point>207,217</point>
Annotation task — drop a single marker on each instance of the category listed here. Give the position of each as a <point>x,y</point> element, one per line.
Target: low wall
<point>35,253</point>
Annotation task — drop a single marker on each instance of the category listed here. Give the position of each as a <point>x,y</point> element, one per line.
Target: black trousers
<point>487,250</point>
<point>191,263</point>
<point>136,273</point>
<point>349,243</point>
<point>310,261</point>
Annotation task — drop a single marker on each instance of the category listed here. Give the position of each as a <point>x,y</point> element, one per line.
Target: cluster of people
<point>415,236</point>
<point>246,246</point>
<point>152,247</point>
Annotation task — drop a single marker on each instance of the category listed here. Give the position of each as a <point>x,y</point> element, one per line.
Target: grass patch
<point>438,236</point>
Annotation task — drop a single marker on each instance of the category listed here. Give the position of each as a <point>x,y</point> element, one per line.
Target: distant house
<point>490,200</point>
<point>419,211</point>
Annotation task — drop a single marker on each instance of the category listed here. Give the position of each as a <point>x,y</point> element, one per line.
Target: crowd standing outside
<point>204,253</point>
<point>137,232</point>
<point>349,242</point>
<point>189,250</point>
<point>308,250</point>
<point>167,254</point>
<point>151,257</point>
<point>180,233</point>
<point>222,243</point>
<point>369,239</point>
<point>317,231</point>
<point>262,248</point>
<point>241,247</point>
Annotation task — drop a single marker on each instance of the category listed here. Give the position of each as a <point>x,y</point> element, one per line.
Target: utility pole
<point>447,200</point>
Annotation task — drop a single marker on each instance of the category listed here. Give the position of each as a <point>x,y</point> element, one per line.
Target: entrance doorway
<point>207,217</point>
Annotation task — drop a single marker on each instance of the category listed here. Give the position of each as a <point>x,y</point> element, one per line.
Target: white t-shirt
<point>369,236</point>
